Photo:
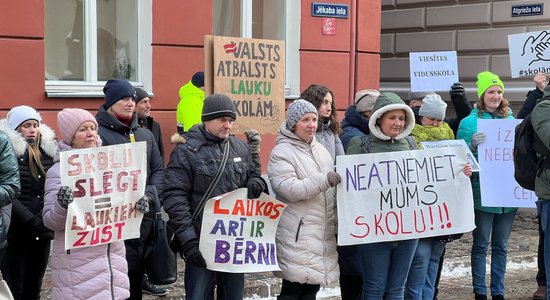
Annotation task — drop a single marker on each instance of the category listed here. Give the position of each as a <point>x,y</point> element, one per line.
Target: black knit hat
<point>218,106</point>
<point>116,89</point>
<point>140,95</point>
<point>198,79</point>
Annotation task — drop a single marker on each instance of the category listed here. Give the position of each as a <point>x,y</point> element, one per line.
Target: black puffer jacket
<point>114,132</point>
<point>192,166</point>
<point>26,216</point>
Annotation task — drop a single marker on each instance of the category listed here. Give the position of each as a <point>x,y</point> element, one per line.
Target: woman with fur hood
<point>29,240</point>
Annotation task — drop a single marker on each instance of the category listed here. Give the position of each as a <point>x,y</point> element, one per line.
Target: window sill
<point>78,89</point>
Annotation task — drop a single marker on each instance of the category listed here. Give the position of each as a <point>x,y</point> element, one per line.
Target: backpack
<point>529,154</point>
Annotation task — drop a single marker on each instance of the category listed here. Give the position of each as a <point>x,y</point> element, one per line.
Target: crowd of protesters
<point>34,202</point>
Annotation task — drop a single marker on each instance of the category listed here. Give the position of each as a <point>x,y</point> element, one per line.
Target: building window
<point>264,19</point>
<point>87,42</point>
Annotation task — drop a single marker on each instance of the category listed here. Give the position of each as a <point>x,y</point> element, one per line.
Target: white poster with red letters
<point>403,195</point>
<point>106,183</point>
<point>238,234</point>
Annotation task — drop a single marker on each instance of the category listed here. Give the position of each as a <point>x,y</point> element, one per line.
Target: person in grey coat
<point>328,129</point>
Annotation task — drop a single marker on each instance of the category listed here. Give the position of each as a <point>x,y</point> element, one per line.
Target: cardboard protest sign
<point>403,195</point>
<point>454,143</point>
<point>106,183</point>
<point>238,234</point>
<point>252,73</point>
<point>529,53</point>
<point>433,71</point>
<point>495,156</point>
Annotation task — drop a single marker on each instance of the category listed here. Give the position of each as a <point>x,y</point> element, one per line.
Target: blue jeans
<point>543,207</point>
<point>199,284</point>
<point>495,228</point>
<point>423,272</point>
<point>385,267</point>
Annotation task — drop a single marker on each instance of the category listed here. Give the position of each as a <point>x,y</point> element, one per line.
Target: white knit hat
<point>19,114</point>
<point>433,107</point>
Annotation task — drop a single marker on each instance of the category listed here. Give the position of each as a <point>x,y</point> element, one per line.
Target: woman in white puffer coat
<point>301,173</point>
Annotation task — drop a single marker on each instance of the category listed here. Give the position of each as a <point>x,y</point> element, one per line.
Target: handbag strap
<point>213,183</point>
<point>156,203</point>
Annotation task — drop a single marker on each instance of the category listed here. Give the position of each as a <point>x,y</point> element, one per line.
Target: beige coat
<point>306,243</point>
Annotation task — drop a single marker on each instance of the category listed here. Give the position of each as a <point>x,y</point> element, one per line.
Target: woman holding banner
<point>421,281</point>
<point>385,265</point>
<point>98,272</point>
<point>493,224</point>
<point>301,172</point>
<point>29,240</point>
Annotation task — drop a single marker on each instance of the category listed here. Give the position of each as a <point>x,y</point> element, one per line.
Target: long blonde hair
<point>35,157</point>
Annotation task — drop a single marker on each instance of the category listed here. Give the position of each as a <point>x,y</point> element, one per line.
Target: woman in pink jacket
<point>98,272</point>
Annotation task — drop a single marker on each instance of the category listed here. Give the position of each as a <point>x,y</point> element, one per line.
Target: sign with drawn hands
<point>529,53</point>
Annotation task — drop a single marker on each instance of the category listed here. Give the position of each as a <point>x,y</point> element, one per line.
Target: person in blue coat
<point>493,224</point>
<point>356,117</point>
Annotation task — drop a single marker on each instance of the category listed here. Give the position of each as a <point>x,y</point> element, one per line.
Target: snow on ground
<point>449,271</point>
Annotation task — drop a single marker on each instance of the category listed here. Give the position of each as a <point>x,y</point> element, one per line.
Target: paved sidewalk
<point>455,281</point>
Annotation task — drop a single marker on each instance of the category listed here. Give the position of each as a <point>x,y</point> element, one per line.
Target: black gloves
<point>65,196</point>
<point>37,225</point>
<point>333,178</point>
<point>192,254</point>
<point>255,186</point>
<point>142,205</point>
<point>457,89</point>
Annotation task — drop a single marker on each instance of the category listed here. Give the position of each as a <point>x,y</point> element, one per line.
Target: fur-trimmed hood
<point>48,142</point>
<point>384,103</point>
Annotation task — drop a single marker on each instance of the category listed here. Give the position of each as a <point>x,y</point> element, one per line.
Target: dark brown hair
<point>315,94</point>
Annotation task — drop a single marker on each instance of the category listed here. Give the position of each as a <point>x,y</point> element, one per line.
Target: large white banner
<point>433,71</point>
<point>529,53</point>
<point>403,195</point>
<point>238,234</point>
<point>106,182</point>
<point>495,156</point>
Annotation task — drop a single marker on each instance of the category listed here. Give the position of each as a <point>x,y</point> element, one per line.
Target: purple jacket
<point>98,272</point>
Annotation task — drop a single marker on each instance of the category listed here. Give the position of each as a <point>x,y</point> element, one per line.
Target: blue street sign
<point>330,10</point>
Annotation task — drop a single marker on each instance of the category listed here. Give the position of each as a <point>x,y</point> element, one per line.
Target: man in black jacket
<point>193,165</point>
<point>143,110</point>
<point>118,124</point>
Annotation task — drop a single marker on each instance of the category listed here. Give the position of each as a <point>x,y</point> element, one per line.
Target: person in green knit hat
<point>189,108</point>
<point>493,224</point>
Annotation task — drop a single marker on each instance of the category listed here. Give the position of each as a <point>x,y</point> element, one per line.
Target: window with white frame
<point>264,19</point>
<point>88,42</point>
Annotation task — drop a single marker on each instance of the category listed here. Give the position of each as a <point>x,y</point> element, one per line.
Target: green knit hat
<point>486,80</point>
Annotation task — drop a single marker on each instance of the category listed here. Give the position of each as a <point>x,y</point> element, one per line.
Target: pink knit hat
<point>68,121</point>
